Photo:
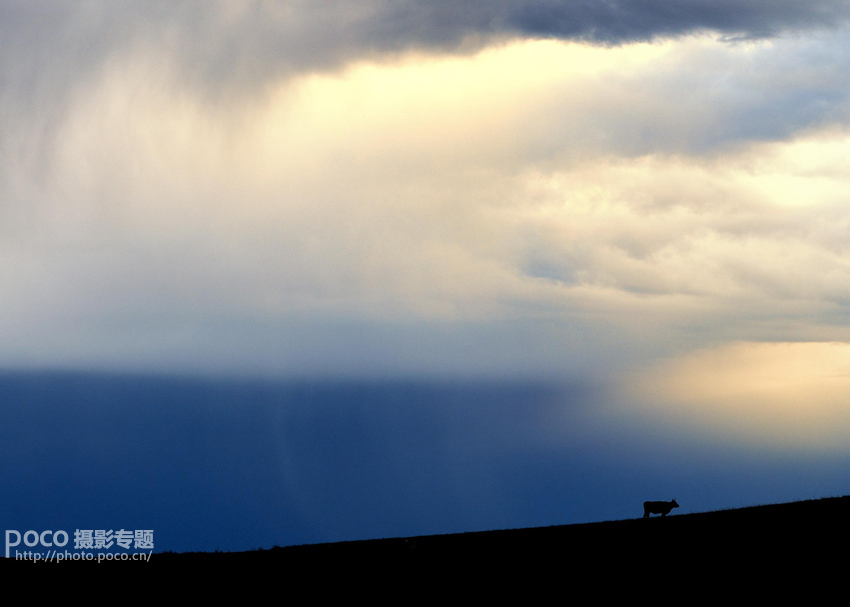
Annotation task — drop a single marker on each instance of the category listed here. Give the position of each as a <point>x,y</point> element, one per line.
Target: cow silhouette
<point>662,508</point>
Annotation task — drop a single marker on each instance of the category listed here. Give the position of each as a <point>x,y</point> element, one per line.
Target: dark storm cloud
<point>231,50</point>
<point>616,21</point>
<point>241,43</point>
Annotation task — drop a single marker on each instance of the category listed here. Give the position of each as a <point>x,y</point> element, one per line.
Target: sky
<point>543,233</point>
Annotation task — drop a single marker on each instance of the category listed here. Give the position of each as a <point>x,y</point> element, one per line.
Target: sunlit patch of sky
<point>780,395</point>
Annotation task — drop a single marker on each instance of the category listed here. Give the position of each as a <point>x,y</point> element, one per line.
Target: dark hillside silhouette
<point>808,538</point>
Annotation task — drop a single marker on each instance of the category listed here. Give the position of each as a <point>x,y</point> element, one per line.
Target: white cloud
<point>542,194</point>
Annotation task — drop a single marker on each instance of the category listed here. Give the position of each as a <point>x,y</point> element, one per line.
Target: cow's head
<point>674,504</point>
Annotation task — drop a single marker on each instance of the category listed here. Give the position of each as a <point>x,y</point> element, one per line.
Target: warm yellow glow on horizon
<point>780,394</point>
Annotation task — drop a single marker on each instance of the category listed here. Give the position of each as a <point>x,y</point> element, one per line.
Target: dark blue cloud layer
<point>236,465</point>
<point>616,21</point>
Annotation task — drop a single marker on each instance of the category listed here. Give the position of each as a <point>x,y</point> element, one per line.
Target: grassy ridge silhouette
<point>800,535</point>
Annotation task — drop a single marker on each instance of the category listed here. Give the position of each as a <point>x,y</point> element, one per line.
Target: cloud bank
<point>419,188</point>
